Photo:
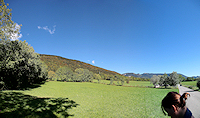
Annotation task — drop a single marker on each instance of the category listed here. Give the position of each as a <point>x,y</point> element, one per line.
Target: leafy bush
<point>198,83</point>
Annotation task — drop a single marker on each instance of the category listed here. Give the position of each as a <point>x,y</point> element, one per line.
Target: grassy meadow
<point>100,100</point>
<point>191,85</point>
<point>131,83</point>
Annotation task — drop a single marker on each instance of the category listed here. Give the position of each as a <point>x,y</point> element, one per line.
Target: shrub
<point>198,83</point>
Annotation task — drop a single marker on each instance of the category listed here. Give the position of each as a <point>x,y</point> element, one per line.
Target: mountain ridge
<point>147,75</point>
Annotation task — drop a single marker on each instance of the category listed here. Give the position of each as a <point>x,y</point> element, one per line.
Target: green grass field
<point>191,85</point>
<point>131,83</point>
<point>99,100</point>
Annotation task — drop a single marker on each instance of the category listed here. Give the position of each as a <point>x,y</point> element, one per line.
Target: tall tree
<point>171,80</point>
<point>51,75</point>
<point>174,79</point>
<point>20,66</point>
<point>8,29</point>
<point>122,79</point>
<point>111,78</point>
<point>64,74</point>
<point>163,80</point>
<point>83,75</point>
<point>97,77</point>
<point>155,80</point>
<point>181,78</point>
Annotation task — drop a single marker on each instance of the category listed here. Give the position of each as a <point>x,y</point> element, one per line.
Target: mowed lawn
<point>99,100</point>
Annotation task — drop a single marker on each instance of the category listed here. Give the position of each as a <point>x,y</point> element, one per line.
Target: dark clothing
<point>188,114</point>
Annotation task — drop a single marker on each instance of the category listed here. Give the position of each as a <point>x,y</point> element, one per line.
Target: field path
<point>193,102</point>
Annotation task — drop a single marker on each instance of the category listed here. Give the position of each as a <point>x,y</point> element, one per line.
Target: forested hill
<point>55,62</point>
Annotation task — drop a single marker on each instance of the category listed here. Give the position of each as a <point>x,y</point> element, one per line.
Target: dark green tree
<point>181,78</point>
<point>164,80</point>
<point>20,65</point>
<point>171,80</point>
<point>189,79</point>
<point>198,83</point>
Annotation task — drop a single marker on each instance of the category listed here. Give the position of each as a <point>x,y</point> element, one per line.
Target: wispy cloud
<point>47,29</point>
<point>93,62</point>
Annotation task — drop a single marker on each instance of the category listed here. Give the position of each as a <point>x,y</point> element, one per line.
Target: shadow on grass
<point>32,86</point>
<point>18,105</point>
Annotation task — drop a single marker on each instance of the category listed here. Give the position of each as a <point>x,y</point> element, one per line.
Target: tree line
<point>82,75</point>
<point>171,80</point>
<point>165,80</point>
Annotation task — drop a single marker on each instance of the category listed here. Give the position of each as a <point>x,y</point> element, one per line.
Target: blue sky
<point>139,36</point>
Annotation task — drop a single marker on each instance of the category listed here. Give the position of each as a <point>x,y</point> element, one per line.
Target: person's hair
<point>173,98</point>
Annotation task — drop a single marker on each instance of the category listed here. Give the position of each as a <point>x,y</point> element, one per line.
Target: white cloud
<point>49,30</point>
<point>93,62</point>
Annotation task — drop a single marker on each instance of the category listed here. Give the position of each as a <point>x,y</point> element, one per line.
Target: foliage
<point>51,75</point>
<point>83,75</point>
<point>63,74</point>
<point>154,80</point>
<point>190,84</point>
<point>20,65</point>
<point>171,80</point>
<point>55,62</point>
<point>190,79</point>
<point>97,77</point>
<point>181,78</point>
<point>164,80</point>
<point>8,29</point>
<point>198,83</point>
<point>122,79</point>
<point>111,78</point>
<point>15,104</point>
<point>132,78</point>
<point>174,79</point>
<point>119,79</point>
